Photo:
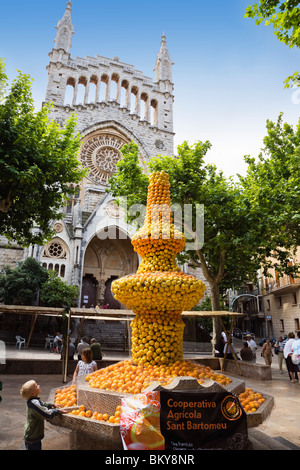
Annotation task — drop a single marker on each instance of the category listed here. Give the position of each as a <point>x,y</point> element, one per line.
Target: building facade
<point>115,104</point>
<point>281,297</point>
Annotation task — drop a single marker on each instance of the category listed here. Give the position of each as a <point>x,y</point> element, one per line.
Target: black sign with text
<point>194,421</point>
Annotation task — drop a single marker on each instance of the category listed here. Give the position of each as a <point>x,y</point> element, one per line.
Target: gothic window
<point>114,87</point>
<point>154,112</point>
<point>104,88</point>
<point>124,91</point>
<point>100,155</point>
<point>134,100</point>
<point>144,106</point>
<point>69,93</point>
<point>55,249</point>
<point>81,90</point>
<point>92,94</point>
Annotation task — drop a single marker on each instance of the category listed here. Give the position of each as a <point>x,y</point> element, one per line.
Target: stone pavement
<point>280,431</point>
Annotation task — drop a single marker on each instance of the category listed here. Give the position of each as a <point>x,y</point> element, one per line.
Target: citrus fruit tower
<point>157,294</point>
<point>159,291</point>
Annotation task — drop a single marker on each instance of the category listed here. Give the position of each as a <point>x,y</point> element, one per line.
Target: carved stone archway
<point>107,259</point>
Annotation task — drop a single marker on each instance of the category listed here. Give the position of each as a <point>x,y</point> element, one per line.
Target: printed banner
<point>189,420</point>
<point>194,421</point>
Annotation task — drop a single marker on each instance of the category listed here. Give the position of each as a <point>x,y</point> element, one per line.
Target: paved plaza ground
<point>280,431</point>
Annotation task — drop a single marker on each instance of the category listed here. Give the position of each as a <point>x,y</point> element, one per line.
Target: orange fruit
<point>143,432</point>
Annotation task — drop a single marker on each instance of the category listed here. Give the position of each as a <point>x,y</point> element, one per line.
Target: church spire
<point>65,30</point>
<point>163,66</point>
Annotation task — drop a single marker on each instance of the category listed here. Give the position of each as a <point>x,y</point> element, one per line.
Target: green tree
<point>284,16</point>
<point>57,293</point>
<point>21,285</point>
<point>38,164</point>
<point>225,258</point>
<point>240,226</point>
<point>272,186</point>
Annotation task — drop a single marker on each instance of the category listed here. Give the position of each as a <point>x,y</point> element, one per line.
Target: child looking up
<point>37,412</point>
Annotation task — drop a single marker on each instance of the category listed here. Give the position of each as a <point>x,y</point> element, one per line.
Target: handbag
<point>295,358</point>
<point>276,350</point>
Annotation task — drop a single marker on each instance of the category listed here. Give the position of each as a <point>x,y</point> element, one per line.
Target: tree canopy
<point>57,293</point>
<point>39,166</point>
<point>29,282</point>
<point>244,220</point>
<point>20,285</point>
<point>284,16</point>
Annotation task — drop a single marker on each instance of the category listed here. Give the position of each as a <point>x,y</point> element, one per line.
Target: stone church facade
<point>114,104</point>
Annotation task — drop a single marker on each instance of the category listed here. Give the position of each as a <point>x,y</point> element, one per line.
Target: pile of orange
<point>159,291</point>
<point>156,340</point>
<point>251,400</point>
<point>66,396</point>
<point>158,237</point>
<point>126,377</point>
<point>83,413</point>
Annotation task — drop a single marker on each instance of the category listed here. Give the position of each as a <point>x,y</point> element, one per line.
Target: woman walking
<point>267,352</point>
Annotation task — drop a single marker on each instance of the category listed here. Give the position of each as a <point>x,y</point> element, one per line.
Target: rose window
<point>54,250</point>
<point>100,154</point>
<point>107,158</point>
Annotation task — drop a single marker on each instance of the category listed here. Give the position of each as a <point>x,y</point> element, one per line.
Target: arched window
<point>134,102</point>
<point>153,112</point>
<point>124,93</point>
<point>54,256</point>
<point>144,112</point>
<point>82,83</point>
<point>69,93</point>
<point>92,89</point>
<point>104,88</point>
<point>114,87</point>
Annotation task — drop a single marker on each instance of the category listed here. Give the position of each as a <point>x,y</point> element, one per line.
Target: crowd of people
<point>94,345</point>
<point>286,348</point>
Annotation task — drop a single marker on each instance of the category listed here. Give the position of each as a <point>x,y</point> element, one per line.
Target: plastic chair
<point>20,341</point>
<point>49,342</point>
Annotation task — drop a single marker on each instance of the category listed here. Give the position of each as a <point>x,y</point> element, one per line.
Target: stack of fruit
<point>159,292</point>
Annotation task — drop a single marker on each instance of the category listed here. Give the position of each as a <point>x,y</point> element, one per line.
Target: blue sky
<point>228,72</point>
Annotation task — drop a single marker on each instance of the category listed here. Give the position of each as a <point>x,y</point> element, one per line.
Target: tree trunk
<point>214,284</point>
<point>216,306</point>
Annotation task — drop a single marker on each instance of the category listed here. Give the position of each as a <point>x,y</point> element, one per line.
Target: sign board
<point>194,421</point>
<point>183,420</point>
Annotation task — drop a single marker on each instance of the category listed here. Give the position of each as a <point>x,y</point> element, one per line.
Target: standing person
<point>287,352</point>
<point>37,412</point>
<point>296,350</point>
<point>82,345</point>
<point>219,347</point>
<point>267,352</point>
<point>96,349</point>
<point>252,344</point>
<point>58,342</point>
<point>71,350</point>
<point>279,346</point>
<point>86,365</point>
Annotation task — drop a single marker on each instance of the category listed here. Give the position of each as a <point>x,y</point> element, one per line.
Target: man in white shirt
<point>82,345</point>
<point>252,344</point>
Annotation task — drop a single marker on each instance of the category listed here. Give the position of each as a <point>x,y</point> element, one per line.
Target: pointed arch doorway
<point>106,258</point>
